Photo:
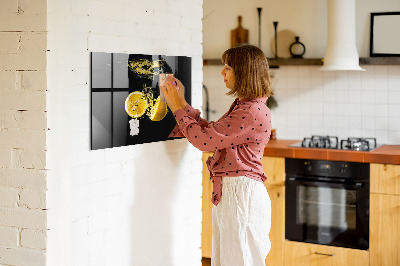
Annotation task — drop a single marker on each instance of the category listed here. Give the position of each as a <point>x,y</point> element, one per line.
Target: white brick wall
<point>135,205</point>
<point>23,128</point>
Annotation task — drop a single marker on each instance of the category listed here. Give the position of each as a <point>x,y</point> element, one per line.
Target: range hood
<point>341,51</point>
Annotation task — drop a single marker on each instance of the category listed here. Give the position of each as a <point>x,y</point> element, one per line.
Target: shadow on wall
<point>154,204</point>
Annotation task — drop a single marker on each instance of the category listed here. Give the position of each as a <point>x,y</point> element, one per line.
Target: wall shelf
<point>380,61</point>
<point>274,63</point>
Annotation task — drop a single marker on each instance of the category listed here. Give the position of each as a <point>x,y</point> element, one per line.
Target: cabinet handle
<point>324,254</point>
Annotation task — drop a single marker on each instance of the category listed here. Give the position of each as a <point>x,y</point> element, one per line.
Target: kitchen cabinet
<point>274,168</point>
<point>206,226</point>
<point>305,254</point>
<point>385,178</point>
<point>385,215</point>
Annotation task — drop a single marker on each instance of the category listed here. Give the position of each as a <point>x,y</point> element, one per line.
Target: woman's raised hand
<point>174,93</point>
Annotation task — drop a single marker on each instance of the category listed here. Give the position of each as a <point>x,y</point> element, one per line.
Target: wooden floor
<point>206,261</point>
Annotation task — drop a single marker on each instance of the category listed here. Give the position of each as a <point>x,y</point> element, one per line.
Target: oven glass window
<point>326,207</point>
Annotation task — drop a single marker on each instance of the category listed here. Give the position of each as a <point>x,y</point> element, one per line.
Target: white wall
<point>306,19</point>
<point>23,133</point>
<point>134,205</point>
<point>311,102</point>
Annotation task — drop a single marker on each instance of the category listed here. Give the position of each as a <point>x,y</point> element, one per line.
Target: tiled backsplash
<point>314,102</point>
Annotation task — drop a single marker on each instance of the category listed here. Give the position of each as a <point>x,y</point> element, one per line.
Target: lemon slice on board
<point>159,110</point>
<point>136,104</point>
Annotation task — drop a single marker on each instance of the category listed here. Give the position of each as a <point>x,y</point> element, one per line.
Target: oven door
<point>327,213</point>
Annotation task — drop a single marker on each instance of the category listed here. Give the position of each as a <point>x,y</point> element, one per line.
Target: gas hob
<point>332,142</point>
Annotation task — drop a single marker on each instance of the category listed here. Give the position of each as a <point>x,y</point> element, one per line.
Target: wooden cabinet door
<point>274,168</point>
<point>304,254</point>
<point>206,232</point>
<point>384,236</point>
<point>277,233</point>
<point>385,178</point>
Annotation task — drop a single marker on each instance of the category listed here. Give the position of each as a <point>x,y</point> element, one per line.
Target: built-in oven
<point>327,202</point>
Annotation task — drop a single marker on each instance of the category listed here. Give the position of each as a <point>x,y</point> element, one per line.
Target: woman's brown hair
<point>250,66</point>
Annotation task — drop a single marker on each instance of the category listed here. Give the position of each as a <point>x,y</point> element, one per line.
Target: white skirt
<point>241,223</point>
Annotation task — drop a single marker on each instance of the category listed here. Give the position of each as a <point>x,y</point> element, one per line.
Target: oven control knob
<point>308,166</point>
<point>343,168</point>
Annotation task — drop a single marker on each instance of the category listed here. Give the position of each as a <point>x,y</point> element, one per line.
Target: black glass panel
<point>101,120</point>
<point>120,71</point>
<point>120,119</point>
<point>101,70</point>
<point>120,75</point>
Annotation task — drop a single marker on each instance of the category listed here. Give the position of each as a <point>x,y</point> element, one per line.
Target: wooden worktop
<point>389,154</point>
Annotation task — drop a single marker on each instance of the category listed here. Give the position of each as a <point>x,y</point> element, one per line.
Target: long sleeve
<point>238,139</point>
<point>229,131</point>
<point>195,114</point>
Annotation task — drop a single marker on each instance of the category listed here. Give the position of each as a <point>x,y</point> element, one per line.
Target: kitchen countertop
<point>389,154</point>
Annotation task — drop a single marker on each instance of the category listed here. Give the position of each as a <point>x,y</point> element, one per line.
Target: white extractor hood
<point>341,51</point>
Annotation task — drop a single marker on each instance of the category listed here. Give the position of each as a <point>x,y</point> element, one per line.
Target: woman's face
<point>229,76</point>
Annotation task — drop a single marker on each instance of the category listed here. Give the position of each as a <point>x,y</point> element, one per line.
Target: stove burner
<point>332,142</point>
<point>358,144</point>
<point>328,142</point>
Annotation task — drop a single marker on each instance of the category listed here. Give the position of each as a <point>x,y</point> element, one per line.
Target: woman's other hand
<point>174,94</point>
<point>181,90</point>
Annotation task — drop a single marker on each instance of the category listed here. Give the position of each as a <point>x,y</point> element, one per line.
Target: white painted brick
<point>196,10</point>
<point>8,197</point>
<point>34,120</point>
<point>104,42</point>
<point>98,222</point>
<point>23,100</point>
<point>8,80</point>
<point>8,237</point>
<point>17,256</point>
<point>80,158</point>
<point>33,159</point>
<point>15,158</point>
<point>128,168</point>
<point>197,166</point>
<point>8,6</point>
<point>98,172</point>
<point>80,227</point>
<point>120,154</point>
<point>30,61</point>
<point>33,239</point>
<point>33,42</point>
<point>178,8</point>
<point>190,22</point>
<point>114,186</point>
<point>35,140</point>
<point>79,175</point>
<point>36,7</point>
<point>9,42</point>
<point>23,218</point>
<point>5,158</point>
<point>23,22</point>
<point>133,44</point>
<point>33,199</point>
<point>23,178</point>
<point>31,80</point>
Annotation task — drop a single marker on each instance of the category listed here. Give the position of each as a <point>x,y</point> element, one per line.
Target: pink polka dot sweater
<point>238,139</point>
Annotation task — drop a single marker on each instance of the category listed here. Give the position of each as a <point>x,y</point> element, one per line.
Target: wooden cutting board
<point>239,35</point>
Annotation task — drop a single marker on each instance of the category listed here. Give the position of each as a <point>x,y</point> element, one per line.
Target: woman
<point>242,208</point>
